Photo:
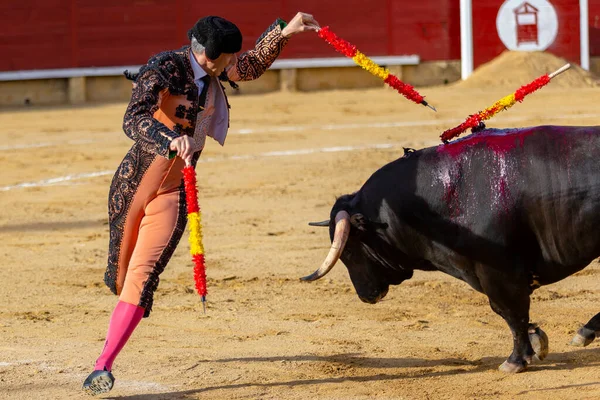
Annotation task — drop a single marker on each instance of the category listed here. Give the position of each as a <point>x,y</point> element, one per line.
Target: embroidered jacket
<point>164,105</point>
<point>164,102</point>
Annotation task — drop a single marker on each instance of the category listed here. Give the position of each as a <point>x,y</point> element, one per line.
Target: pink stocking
<point>123,322</point>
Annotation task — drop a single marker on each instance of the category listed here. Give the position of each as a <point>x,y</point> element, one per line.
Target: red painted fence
<point>43,34</point>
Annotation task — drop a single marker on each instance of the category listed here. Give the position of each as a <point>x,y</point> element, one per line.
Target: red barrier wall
<point>42,34</point>
<point>594,24</point>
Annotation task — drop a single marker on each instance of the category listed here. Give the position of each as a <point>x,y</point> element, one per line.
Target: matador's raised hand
<point>301,22</point>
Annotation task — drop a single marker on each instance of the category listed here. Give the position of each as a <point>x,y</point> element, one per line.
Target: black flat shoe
<point>99,382</point>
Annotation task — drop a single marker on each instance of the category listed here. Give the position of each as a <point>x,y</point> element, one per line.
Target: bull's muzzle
<point>375,298</point>
<point>340,237</point>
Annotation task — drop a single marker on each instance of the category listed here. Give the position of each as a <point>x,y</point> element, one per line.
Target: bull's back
<point>561,193</point>
<point>536,186</point>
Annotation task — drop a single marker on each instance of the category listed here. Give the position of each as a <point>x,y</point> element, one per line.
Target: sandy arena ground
<point>265,335</point>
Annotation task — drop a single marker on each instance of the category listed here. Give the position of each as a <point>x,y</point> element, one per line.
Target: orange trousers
<point>154,225</point>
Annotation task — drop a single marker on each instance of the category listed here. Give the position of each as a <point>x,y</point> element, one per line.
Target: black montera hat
<point>217,35</point>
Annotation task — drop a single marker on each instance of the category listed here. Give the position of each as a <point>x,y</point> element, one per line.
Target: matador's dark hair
<point>217,35</point>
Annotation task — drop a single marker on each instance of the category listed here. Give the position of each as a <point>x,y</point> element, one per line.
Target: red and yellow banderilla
<point>350,50</point>
<point>503,104</point>
<point>195,229</point>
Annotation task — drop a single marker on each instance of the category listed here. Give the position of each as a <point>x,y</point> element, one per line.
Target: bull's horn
<point>342,230</point>
<point>322,223</point>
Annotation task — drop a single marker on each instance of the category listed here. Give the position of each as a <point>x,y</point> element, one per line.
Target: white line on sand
<point>136,386</point>
<point>46,144</point>
<point>55,181</point>
<point>62,179</point>
<point>74,177</point>
<point>326,127</point>
<point>397,124</point>
<point>19,362</point>
<point>79,377</point>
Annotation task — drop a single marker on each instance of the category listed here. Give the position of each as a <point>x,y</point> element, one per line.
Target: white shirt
<point>217,123</point>
<point>199,73</point>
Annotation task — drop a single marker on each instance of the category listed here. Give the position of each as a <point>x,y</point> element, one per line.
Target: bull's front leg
<point>509,298</point>
<point>518,323</point>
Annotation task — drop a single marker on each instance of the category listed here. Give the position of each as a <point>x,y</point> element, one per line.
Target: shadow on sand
<point>554,362</point>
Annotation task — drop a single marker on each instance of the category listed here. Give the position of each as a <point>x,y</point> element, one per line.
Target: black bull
<point>506,211</point>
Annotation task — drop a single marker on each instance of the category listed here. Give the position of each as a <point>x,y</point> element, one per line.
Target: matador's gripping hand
<point>184,147</point>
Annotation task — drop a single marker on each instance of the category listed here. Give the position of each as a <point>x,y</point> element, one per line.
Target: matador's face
<point>221,63</point>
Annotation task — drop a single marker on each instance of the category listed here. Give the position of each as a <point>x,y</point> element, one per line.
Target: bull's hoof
<point>512,368</point>
<point>583,337</point>
<point>539,342</point>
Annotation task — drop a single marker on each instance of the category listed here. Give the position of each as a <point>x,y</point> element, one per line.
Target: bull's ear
<point>361,223</point>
